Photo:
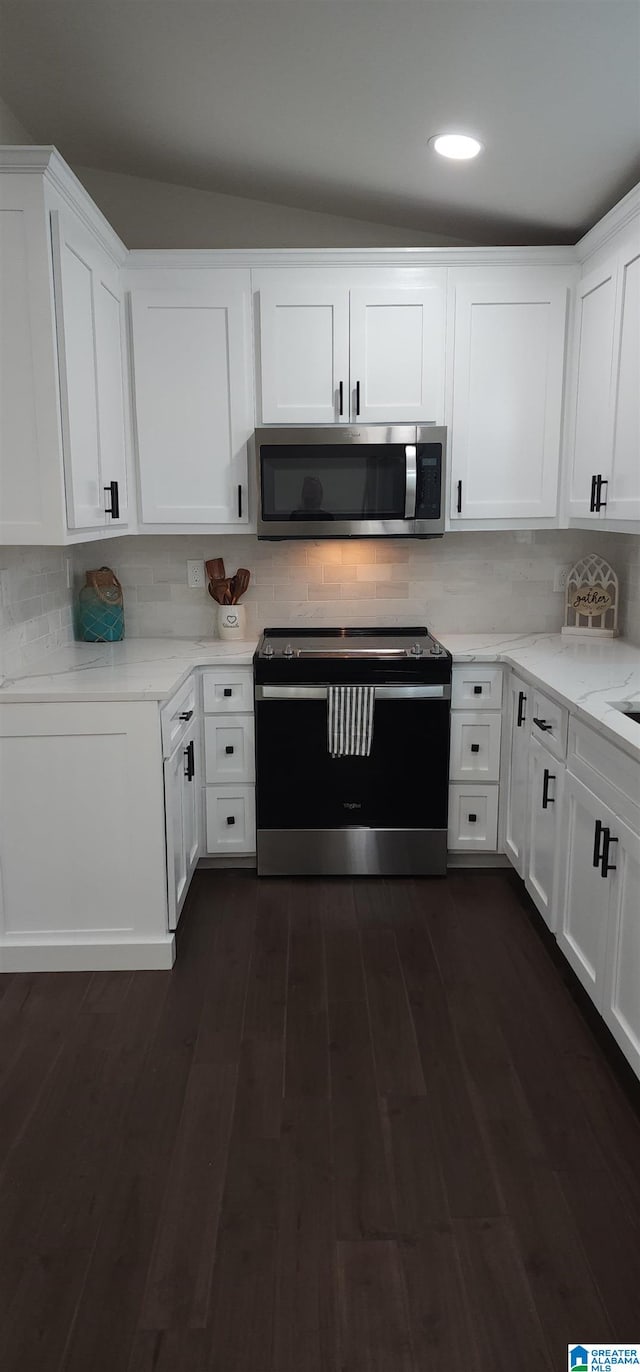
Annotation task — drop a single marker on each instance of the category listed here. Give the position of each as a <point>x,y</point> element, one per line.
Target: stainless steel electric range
<point>380,812</point>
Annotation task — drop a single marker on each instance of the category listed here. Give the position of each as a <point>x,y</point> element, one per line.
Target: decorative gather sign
<point>592,598</point>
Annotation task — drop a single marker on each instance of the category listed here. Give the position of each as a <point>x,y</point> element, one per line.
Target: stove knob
<point>436,650</point>
<point>416,650</point>
<point>268,650</point>
<point>288,651</point>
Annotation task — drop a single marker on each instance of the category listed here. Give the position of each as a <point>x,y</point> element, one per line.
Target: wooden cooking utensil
<point>215,568</point>
<point>241,579</point>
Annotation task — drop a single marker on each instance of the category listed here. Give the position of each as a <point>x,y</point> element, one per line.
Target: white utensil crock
<point>232,621</point>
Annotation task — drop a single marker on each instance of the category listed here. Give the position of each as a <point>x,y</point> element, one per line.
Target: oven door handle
<point>414,692</point>
<point>410,481</point>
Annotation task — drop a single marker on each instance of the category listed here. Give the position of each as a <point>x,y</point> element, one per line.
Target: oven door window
<point>335,482</point>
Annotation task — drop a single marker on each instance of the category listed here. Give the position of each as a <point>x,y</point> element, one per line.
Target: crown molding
<point>47,162</point>
<point>143,259</point>
<point>610,225</point>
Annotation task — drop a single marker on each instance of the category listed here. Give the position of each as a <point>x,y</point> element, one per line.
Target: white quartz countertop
<point>585,675</point>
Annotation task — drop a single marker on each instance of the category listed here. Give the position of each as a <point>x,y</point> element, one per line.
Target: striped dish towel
<point>350,720</point>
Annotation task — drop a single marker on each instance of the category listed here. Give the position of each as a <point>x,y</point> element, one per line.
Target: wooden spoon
<point>241,580</point>
<point>215,569</point>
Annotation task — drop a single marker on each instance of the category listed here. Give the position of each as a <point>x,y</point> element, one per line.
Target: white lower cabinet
<point>82,837</point>
<point>229,757</point>
<point>514,781</point>
<point>545,785</point>
<point>599,924</point>
<point>474,766</point>
<point>182,810</point>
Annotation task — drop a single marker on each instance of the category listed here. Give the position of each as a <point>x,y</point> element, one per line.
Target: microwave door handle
<point>410,481</point>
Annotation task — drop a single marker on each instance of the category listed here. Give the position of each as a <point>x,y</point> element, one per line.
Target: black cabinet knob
<point>231,819</point>
<point>472,819</point>
<point>477,690</point>
<point>475,747</point>
<point>229,749</point>
<point>227,691</point>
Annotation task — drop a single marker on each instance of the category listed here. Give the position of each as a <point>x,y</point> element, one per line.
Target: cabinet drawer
<point>605,769</point>
<point>475,746</point>
<point>549,723</point>
<point>231,819</point>
<point>228,690</point>
<point>473,819</point>
<point>476,688</point>
<point>176,715</point>
<point>229,748</point>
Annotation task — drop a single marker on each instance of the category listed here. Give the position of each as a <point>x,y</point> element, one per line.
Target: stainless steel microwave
<point>351,481</point>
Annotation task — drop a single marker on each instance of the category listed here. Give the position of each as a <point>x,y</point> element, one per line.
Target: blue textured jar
<point>101,608</point>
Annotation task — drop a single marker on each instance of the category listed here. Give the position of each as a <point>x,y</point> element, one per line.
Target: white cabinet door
<point>304,346</point>
<point>397,353</point>
<point>110,372</point>
<point>583,903</point>
<point>74,262</point>
<point>192,402</point>
<point>507,397</point>
<point>623,495</point>
<point>514,788</point>
<point>182,819</point>
<point>621,999</point>
<point>546,776</point>
<point>591,423</point>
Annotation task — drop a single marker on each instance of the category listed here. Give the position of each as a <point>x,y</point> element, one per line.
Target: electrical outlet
<point>195,573</point>
<point>560,575</point>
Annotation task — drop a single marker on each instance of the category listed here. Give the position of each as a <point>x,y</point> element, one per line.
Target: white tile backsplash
<point>461,583</point>
<point>35,606</point>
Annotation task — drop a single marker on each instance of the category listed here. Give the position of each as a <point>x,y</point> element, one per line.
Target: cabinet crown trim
<point>611,224</point>
<point>47,162</point>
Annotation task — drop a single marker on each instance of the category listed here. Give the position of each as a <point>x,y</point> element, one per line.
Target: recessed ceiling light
<point>457,145</point>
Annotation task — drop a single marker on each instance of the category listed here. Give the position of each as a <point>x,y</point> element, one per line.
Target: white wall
<point>460,583</point>
<point>154,214</point>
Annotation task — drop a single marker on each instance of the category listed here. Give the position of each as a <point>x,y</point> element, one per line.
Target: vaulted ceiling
<point>327,105</point>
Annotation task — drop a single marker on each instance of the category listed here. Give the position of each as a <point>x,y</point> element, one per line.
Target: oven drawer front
<point>401,785</point>
<point>229,748</point>
<point>475,746</point>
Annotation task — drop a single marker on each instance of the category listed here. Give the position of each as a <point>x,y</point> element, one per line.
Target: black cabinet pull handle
<point>357,397</point>
<point>477,690</point>
<point>592,502</point>
<point>607,866</point>
<point>596,843</point>
<point>459,497</point>
<point>522,700</point>
<point>189,753</point>
<point>227,691</point>
<point>542,724</point>
<point>472,819</point>
<point>475,747</point>
<point>114,508</point>
<point>600,503</point>
<point>186,715</point>
<point>231,819</point>
<point>229,749</point>
<point>546,798</point>
<point>239,502</point>
<point>341,398</point>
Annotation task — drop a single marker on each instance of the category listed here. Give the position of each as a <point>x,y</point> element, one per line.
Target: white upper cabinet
<point>623,498</point>
<point>508,367</point>
<point>397,353</point>
<point>594,330</point>
<point>604,477</point>
<point>304,347</point>
<point>192,398</point>
<point>63,417</point>
<point>345,352</point>
<point>89,328</point>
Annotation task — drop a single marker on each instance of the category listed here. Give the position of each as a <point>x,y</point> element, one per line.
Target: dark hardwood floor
<point>362,1126</point>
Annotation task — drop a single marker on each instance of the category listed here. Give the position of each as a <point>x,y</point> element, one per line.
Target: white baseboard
<point>142,956</point>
